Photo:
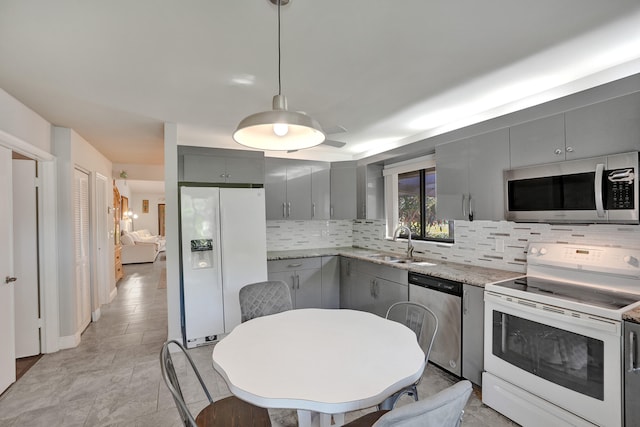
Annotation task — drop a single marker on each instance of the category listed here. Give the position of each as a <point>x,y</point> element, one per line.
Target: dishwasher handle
<point>435,283</point>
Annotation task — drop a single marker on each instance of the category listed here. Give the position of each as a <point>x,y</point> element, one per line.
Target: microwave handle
<point>597,185</point>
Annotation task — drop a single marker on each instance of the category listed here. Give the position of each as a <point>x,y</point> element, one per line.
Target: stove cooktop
<point>587,295</point>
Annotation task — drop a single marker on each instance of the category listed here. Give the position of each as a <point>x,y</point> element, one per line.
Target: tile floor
<point>113,377</point>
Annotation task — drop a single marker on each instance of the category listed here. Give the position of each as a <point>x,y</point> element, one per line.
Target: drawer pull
<point>294,265</point>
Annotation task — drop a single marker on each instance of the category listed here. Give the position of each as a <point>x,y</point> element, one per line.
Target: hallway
<point>113,377</point>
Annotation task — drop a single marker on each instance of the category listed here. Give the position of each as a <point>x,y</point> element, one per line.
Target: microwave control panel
<point>619,188</point>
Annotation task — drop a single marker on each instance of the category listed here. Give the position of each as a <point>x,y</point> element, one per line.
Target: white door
<point>7,328</point>
<point>102,243</point>
<point>25,258</point>
<point>82,249</point>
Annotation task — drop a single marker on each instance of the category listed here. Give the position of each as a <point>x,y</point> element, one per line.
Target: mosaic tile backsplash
<point>491,244</point>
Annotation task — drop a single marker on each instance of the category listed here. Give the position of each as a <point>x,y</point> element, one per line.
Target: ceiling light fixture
<point>279,129</point>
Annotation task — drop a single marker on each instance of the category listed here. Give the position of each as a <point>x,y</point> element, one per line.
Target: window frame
<point>390,173</point>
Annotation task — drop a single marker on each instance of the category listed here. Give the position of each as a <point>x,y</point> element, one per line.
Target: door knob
<point>10,279</point>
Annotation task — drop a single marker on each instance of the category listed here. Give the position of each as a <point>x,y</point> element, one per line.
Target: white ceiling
<point>391,73</point>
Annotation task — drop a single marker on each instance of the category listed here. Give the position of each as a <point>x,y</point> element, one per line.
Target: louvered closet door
<point>82,249</point>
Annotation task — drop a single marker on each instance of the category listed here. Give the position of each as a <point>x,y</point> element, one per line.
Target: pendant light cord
<point>279,53</point>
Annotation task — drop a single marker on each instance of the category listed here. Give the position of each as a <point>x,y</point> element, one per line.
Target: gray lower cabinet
<point>348,275</point>
<point>314,282</point>
<point>330,282</point>
<point>374,287</point>
<point>472,333</point>
<point>631,373</point>
<point>304,277</point>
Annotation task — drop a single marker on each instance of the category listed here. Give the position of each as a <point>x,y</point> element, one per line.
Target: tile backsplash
<point>492,244</point>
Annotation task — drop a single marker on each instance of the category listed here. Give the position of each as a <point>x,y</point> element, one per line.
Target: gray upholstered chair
<point>444,409</point>
<point>227,412</point>
<point>424,323</point>
<point>264,298</point>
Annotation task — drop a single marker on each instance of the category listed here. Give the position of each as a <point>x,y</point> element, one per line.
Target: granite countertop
<point>632,315</point>
<point>469,274</point>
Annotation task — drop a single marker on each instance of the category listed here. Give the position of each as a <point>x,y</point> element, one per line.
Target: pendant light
<point>279,129</point>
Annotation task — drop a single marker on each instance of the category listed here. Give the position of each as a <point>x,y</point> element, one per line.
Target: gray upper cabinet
<point>216,166</point>
<point>370,192</point>
<point>607,127</point>
<point>538,141</point>
<point>320,191</point>
<point>296,189</point>
<point>470,177</point>
<point>343,190</point>
<point>603,128</point>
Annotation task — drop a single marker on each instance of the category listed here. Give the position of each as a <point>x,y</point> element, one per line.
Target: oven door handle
<point>597,185</point>
<point>632,352</point>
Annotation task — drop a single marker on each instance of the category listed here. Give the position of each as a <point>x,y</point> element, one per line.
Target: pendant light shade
<point>279,129</point>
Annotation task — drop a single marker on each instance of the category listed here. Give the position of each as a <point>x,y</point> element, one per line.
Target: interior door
<point>7,327</point>
<point>82,249</point>
<point>25,262</point>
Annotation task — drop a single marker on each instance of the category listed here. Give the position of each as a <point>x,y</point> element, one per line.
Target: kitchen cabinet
<point>603,128</point>
<point>348,275</point>
<point>343,190</point>
<point>370,192</point>
<point>304,277</point>
<point>607,127</point>
<point>472,333</point>
<point>330,282</point>
<point>212,165</point>
<point>377,287</point>
<point>631,333</point>
<point>296,189</point>
<point>320,191</point>
<point>470,177</point>
<point>538,141</point>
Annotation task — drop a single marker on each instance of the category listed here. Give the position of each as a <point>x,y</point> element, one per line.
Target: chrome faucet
<point>409,245</point>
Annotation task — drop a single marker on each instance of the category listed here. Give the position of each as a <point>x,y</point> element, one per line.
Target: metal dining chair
<point>264,298</point>
<point>424,323</point>
<point>444,409</point>
<point>228,412</point>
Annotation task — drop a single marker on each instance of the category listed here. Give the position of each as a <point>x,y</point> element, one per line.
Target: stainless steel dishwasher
<point>444,298</point>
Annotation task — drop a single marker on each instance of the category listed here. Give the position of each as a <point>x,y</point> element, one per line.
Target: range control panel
<point>603,259</point>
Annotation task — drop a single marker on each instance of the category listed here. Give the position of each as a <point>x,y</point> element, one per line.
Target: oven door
<point>570,359</point>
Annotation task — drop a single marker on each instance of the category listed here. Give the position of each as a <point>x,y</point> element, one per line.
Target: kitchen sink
<point>423,264</point>
<point>393,259</point>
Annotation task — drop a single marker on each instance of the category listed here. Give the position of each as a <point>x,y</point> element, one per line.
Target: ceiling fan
<point>332,130</point>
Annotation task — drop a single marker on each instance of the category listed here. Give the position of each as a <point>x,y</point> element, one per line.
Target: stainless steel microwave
<point>596,190</point>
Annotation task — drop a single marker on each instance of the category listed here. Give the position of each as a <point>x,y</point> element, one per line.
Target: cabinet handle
<point>632,352</point>
<point>293,282</point>
<point>348,268</point>
<point>371,289</point>
<point>297,281</point>
<point>289,209</point>
<point>222,175</point>
<point>294,265</point>
<point>569,149</point>
<point>465,302</point>
<point>331,211</point>
<point>313,210</point>
<point>284,210</point>
<point>557,152</point>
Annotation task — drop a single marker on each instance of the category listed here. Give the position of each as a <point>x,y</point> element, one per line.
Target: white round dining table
<point>318,361</point>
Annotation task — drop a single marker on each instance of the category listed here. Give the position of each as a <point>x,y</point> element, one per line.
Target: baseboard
<point>113,294</point>
<point>69,341</point>
<point>95,315</point>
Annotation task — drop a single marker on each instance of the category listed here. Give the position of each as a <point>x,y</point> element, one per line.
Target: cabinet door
<point>320,192</point>
<point>275,188</point>
<point>607,127</point>
<point>362,293</point>
<point>288,277</point>
<point>330,282</point>
<point>452,168</point>
<point>298,190</point>
<point>244,170</point>
<point>370,192</point>
<point>343,193</point>
<point>203,168</point>
<point>308,292</point>
<point>488,158</point>
<point>387,293</point>
<point>473,333</point>
<point>347,281</point>
<point>538,141</point>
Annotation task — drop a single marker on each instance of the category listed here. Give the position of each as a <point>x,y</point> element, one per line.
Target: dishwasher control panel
<point>436,283</point>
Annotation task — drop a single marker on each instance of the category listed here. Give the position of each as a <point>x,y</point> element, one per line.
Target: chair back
<point>264,298</point>
<point>171,380</point>
<point>444,409</point>
<point>420,319</point>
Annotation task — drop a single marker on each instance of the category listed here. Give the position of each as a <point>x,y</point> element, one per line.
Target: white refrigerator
<point>223,248</point>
